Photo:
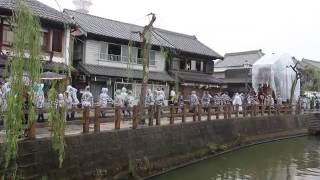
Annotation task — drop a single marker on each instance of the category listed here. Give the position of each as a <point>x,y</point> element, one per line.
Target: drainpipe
<point>1,34</point>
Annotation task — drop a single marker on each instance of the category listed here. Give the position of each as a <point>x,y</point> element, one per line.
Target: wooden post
<point>32,130</point>
<point>151,115</point>
<point>194,116</point>
<point>183,117</point>
<point>97,113</point>
<point>252,110</point>
<point>255,110</point>
<point>269,111</point>
<point>230,106</point>
<point>135,117</point>
<point>218,112</point>
<point>209,112</point>
<point>199,111</point>
<point>244,110</point>
<point>290,109</point>
<point>237,110</point>
<point>86,112</point>
<point>225,109</point>
<point>117,117</point>
<point>285,109</point>
<point>278,109</point>
<point>158,114</point>
<point>171,114</point>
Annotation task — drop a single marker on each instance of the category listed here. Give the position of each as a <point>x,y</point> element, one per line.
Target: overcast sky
<point>280,26</point>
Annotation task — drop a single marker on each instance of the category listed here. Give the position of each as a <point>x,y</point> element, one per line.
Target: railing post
<point>117,116</point>
<point>194,116</point>
<point>199,111</point>
<point>218,112</point>
<point>278,109</point>
<point>97,113</point>
<point>171,114</point>
<point>32,130</point>
<point>230,109</point>
<point>183,117</point>
<point>269,110</point>
<point>255,110</point>
<point>237,110</point>
<point>290,109</point>
<point>285,109</point>
<point>225,113</point>
<point>158,114</point>
<point>209,112</point>
<point>244,110</point>
<point>86,113</point>
<point>135,117</point>
<point>252,110</point>
<point>151,115</point>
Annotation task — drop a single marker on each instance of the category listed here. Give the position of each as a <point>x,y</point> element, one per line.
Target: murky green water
<point>292,159</point>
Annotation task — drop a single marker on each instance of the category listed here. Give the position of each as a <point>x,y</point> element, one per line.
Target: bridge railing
<point>134,117</point>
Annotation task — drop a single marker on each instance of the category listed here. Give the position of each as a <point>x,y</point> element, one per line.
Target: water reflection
<point>293,159</point>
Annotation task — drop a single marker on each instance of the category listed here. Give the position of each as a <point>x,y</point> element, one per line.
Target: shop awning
<point>52,76</point>
<point>121,72</point>
<point>195,77</point>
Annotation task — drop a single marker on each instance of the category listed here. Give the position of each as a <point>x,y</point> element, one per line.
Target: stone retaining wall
<point>146,151</point>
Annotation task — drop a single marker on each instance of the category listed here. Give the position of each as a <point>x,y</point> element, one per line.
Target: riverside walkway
<point>89,120</point>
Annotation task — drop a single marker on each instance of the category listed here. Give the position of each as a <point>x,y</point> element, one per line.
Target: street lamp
<point>247,66</point>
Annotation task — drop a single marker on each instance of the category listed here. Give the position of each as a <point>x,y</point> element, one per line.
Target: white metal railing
<point>123,59</point>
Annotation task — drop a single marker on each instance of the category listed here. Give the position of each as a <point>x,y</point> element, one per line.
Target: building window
<point>114,52</point>
<point>188,64</point>
<point>57,40</point>
<point>198,65</point>
<point>103,50</point>
<point>7,36</point>
<point>204,67</point>
<point>182,65</point>
<point>152,58</point>
<point>44,40</point>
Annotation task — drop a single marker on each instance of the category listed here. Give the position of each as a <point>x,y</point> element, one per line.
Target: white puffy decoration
<point>275,70</point>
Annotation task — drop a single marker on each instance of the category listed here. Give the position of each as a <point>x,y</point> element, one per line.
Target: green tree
<point>311,79</point>
<point>24,68</point>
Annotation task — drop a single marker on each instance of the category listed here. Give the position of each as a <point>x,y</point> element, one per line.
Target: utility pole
<point>145,49</point>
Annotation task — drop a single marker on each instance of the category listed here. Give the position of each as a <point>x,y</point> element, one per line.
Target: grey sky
<point>291,26</point>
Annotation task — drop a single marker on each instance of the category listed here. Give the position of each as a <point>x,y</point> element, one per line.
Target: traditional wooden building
<point>55,34</point>
<point>235,70</point>
<point>102,54</point>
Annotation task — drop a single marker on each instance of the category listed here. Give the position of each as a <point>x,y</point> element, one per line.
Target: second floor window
<point>122,53</point>
<point>44,41</point>
<point>57,40</point>
<point>7,36</point>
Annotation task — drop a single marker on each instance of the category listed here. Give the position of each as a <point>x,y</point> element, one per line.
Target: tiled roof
<point>239,58</point>
<point>309,62</point>
<point>39,9</point>
<point>121,72</point>
<point>198,78</point>
<point>115,29</point>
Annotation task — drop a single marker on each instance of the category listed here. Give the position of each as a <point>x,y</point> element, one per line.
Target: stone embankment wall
<point>147,151</point>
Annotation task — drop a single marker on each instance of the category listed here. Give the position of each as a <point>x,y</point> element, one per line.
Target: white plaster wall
<point>92,57</point>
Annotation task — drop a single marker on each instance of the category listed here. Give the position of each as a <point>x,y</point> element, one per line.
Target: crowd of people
<point>125,99</point>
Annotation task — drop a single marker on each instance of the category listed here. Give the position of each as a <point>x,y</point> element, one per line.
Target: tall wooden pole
<point>145,63</point>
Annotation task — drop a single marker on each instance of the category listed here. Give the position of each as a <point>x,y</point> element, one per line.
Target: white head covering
<point>123,90</point>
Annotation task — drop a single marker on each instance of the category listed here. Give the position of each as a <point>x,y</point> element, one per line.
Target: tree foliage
<point>311,79</point>
<point>25,61</point>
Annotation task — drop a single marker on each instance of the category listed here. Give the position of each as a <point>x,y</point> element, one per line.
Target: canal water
<point>291,159</point>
